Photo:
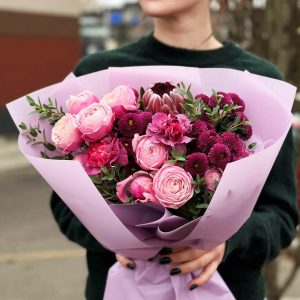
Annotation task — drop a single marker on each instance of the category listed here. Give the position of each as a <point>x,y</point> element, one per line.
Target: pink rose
<point>172,186</point>
<point>149,156</point>
<point>212,178</point>
<point>169,129</point>
<point>76,103</point>
<point>95,121</point>
<point>104,153</point>
<point>66,135</point>
<point>121,100</point>
<point>139,185</point>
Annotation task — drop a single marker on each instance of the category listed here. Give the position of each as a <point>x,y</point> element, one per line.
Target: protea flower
<point>162,97</point>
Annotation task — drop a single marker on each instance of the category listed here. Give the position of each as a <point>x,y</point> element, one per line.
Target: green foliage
<point>49,111</point>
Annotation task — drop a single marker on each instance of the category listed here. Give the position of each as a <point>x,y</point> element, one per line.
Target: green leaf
<point>23,126</point>
<point>252,145</point>
<point>202,205</point>
<point>49,146</point>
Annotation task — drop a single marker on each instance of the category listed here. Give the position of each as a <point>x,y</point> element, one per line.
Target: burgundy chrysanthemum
<point>219,156</point>
<point>146,117</point>
<point>196,164</point>
<point>131,123</point>
<point>207,139</point>
<point>241,154</point>
<point>233,142</point>
<point>222,99</point>
<point>127,143</point>
<point>203,98</point>
<point>237,101</point>
<point>245,132</point>
<point>198,127</point>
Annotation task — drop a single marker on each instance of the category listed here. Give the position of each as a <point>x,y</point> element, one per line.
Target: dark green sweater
<point>271,226</point>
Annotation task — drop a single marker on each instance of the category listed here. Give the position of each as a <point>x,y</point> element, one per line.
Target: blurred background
<point>40,42</point>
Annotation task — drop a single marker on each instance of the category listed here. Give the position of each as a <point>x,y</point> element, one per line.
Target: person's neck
<point>191,30</point>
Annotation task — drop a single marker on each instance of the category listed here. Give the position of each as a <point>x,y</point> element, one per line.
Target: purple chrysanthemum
<point>198,127</point>
<point>146,117</point>
<point>221,99</point>
<point>207,139</point>
<point>232,141</point>
<point>219,156</point>
<point>237,101</point>
<point>203,98</point>
<point>245,132</point>
<point>131,123</point>
<point>196,164</point>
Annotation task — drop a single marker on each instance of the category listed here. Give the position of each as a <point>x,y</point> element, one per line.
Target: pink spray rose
<point>172,186</point>
<point>95,121</point>
<point>139,185</point>
<point>76,103</point>
<point>211,177</point>
<point>66,135</point>
<point>121,100</point>
<point>149,156</point>
<point>169,129</point>
<point>103,153</point>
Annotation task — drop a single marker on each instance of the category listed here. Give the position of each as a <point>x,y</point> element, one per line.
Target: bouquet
<point>162,153</point>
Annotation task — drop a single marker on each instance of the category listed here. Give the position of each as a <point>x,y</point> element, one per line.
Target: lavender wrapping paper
<point>140,231</point>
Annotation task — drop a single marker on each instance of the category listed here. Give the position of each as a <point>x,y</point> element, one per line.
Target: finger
<point>194,265</point>
<point>125,262</point>
<point>182,256</point>
<point>207,273</point>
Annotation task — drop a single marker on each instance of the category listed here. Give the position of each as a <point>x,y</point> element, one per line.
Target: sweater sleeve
<point>271,226</point>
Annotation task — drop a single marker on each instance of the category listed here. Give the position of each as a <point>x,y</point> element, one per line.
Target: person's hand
<point>189,260</point>
<point>125,262</point>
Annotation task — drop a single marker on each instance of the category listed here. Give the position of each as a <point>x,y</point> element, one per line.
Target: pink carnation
<point>106,152</point>
<point>169,129</point>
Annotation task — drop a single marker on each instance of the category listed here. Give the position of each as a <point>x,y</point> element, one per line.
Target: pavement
<point>36,260</point>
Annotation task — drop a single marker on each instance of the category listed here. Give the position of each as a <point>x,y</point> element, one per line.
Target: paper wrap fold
<point>139,231</point>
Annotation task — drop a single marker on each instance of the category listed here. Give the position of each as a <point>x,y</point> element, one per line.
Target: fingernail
<point>175,271</point>
<point>130,266</point>
<point>165,260</point>
<point>165,250</point>
<point>193,286</point>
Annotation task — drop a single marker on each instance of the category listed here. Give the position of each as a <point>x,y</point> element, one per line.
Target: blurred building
<point>39,45</point>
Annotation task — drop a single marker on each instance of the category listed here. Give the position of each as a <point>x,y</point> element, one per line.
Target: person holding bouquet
<point>183,35</point>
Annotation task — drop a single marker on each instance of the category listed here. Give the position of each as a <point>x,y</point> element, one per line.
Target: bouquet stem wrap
<point>139,231</point>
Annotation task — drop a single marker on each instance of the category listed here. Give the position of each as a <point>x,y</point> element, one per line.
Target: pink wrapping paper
<point>151,227</point>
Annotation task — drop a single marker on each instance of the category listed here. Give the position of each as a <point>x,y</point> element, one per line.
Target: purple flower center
<point>161,88</point>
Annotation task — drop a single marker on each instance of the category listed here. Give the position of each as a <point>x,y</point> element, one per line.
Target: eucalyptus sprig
<point>49,111</point>
<point>193,107</point>
<point>36,136</point>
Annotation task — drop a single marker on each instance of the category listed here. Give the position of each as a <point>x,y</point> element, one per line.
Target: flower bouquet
<point>180,162</point>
